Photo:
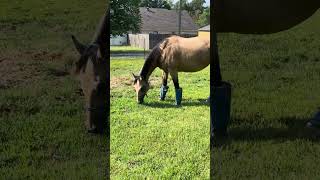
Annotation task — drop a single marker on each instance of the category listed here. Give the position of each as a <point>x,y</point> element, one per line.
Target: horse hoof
<point>208,100</point>
<point>163,92</point>
<point>178,96</point>
<point>314,122</point>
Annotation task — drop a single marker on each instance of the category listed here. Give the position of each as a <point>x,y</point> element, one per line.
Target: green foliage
<point>204,18</point>
<point>125,16</point>
<point>155,4</point>
<point>194,8</point>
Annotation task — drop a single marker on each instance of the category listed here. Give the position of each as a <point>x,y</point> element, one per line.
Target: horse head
<point>91,69</point>
<point>141,86</point>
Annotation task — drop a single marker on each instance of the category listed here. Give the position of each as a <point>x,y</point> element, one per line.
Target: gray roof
<point>156,19</point>
<point>205,28</point>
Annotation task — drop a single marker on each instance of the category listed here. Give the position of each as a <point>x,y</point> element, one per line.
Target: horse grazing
<point>172,55</point>
<point>92,71</point>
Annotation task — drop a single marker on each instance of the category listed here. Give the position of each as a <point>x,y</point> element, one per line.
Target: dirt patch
<point>24,67</point>
<point>155,82</point>
<point>127,81</point>
<point>13,73</point>
<point>120,81</point>
<point>43,55</point>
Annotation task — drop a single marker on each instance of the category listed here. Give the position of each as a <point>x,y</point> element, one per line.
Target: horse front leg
<point>164,88</point>
<point>178,90</point>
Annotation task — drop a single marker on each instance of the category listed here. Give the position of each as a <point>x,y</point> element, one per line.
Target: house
<point>119,40</point>
<point>204,31</point>
<point>164,21</point>
<point>157,24</point>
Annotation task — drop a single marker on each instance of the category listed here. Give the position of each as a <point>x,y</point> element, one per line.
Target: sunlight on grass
<point>158,139</point>
<point>123,49</point>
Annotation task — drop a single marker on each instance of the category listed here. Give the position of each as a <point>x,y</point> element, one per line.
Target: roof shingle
<point>164,20</point>
<point>205,28</point>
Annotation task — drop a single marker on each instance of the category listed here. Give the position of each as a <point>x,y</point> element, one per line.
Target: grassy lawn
<point>157,139</point>
<point>126,49</point>
<point>276,86</point>
<point>42,133</point>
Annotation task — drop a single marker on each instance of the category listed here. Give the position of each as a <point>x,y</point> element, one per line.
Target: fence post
<point>144,47</point>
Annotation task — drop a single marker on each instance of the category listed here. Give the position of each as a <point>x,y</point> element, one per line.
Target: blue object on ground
<point>178,96</point>
<point>163,92</point>
<point>220,111</point>
<point>315,121</point>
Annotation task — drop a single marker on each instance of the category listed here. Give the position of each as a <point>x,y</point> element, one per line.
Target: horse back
<point>186,54</point>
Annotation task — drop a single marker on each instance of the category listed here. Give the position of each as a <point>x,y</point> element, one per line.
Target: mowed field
<point>42,132</point>
<point>158,140</point>
<point>275,91</point>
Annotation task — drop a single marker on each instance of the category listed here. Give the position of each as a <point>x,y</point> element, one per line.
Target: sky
<point>207,2</point>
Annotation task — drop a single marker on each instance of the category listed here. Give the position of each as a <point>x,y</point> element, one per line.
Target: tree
<point>194,8</point>
<point>155,4</point>
<point>125,16</point>
<point>204,18</point>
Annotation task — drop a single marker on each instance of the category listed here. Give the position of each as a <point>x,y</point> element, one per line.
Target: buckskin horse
<point>92,71</point>
<point>172,55</point>
<point>258,17</point>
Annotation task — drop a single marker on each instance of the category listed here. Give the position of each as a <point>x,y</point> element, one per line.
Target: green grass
<point>42,130</point>
<point>275,90</point>
<point>157,139</point>
<point>276,86</point>
<point>126,49</point>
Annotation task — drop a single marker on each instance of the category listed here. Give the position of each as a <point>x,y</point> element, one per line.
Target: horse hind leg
<point>178,89</point>
<point>164,88</point>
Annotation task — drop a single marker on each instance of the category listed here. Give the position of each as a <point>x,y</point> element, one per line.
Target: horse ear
<point>135,77</point>
<point>80,47</point>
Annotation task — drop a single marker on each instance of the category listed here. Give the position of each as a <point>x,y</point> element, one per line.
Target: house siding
<point>204,34</point>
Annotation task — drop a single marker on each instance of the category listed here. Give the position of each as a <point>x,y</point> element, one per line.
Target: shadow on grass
<point>57,72</point>
<point>292,129</point>
<point>171,103</point>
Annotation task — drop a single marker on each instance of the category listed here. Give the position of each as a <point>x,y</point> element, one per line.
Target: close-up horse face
<point>141,87</point>
<point>92,73</point>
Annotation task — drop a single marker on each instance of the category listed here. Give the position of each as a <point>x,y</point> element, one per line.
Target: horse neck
<point>148,67</point>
